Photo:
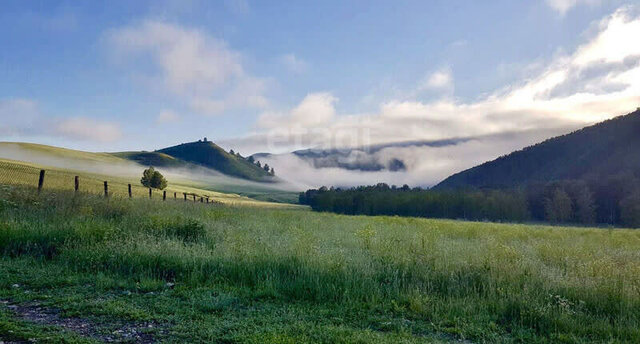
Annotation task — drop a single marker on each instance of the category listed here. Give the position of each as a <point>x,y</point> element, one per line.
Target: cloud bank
<point>597,81</point>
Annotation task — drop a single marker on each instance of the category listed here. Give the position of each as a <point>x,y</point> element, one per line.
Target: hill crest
<point>208,154</point>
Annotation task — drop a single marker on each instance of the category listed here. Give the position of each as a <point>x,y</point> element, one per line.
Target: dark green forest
<point>614,200</point>
<point>599,151</point>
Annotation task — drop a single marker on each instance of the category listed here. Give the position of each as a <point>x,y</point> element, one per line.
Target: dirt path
<point>138,332</point>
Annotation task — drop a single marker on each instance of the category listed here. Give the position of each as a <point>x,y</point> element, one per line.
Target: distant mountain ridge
<point>202,153</point>
<point>363,158</point>
<point>598,151</point>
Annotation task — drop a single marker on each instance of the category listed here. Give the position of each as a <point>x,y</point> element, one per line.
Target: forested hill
<point>599,151</point>
<point>203,153</point>
<point>208,154</point>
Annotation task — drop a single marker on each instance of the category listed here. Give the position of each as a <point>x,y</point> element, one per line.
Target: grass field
<point>27,174</point>
<point>184,272</point>
<point>19,161</point>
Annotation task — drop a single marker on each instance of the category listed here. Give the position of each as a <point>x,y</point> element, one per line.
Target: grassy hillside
<point>155,159</point>
<point>121,165</point>
<point>210,155</point>
<point>183,273</point>
<point>27,174</point>
<point>23,151</point>
<point>600,151</point>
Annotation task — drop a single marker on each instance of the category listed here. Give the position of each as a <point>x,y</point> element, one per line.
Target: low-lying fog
<point>425,165</point>
<point>112,166</point>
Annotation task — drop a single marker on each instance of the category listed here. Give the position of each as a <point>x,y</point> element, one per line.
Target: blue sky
<point>123,75</point>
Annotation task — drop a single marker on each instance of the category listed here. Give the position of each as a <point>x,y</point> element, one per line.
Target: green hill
<point>151,159</point>
<point>210,155</point>
<point>596,152</point>
<point>22,151</point>
<point>202,153</point>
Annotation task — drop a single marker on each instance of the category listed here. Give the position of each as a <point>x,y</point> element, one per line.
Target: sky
<point>267,76</point>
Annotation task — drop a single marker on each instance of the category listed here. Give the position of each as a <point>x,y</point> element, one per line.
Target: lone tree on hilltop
<point>153,179</point>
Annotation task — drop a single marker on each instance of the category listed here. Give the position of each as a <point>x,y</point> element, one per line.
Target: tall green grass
<point>471,280</point>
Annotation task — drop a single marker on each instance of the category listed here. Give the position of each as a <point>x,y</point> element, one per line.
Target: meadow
<point>187,272</point>
<point>58,179</point>
<point>20,163</point>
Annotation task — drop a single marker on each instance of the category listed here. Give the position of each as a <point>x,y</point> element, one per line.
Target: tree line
<point>251,159</point>
<point>614,200</point>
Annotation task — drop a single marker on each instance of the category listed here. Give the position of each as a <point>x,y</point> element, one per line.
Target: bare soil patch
<point>120,332</point>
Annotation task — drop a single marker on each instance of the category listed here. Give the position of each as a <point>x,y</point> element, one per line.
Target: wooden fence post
<point>207,199</point>
<point>41,181</point>
<point>164,195</point>
<point>201,200</point>
<point>185,196</point>
<point>194,197</point>
<point>76,183</point>
<point>129,186</point>
<point>150,193</point>
<point>175,195</point>
<point>106,189</point>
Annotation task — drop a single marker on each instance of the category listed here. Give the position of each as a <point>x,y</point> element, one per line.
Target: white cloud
<point>202,70</point>
<point>439,80</point>
<point>316,109</point>
<point>613,43</point>
<point>167,116</point>
<point>88,129</point>
<point>294,64</point>
<point>599,80</point>
<point>563,6</point>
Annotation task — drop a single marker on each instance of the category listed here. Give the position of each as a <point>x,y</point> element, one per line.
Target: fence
<point>24,174</point>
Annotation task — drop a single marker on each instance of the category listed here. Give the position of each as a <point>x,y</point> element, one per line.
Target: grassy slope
<point>155,159</point>
<point>61,153</point>
<point>210,155</point>
<point>27,174</point>
<point>266,192</point>
<point>287,276</point>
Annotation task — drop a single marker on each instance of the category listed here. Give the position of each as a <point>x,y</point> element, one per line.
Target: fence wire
<point>25,174</point>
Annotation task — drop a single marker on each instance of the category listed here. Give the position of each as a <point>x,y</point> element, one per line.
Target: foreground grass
<point>285,276</point>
